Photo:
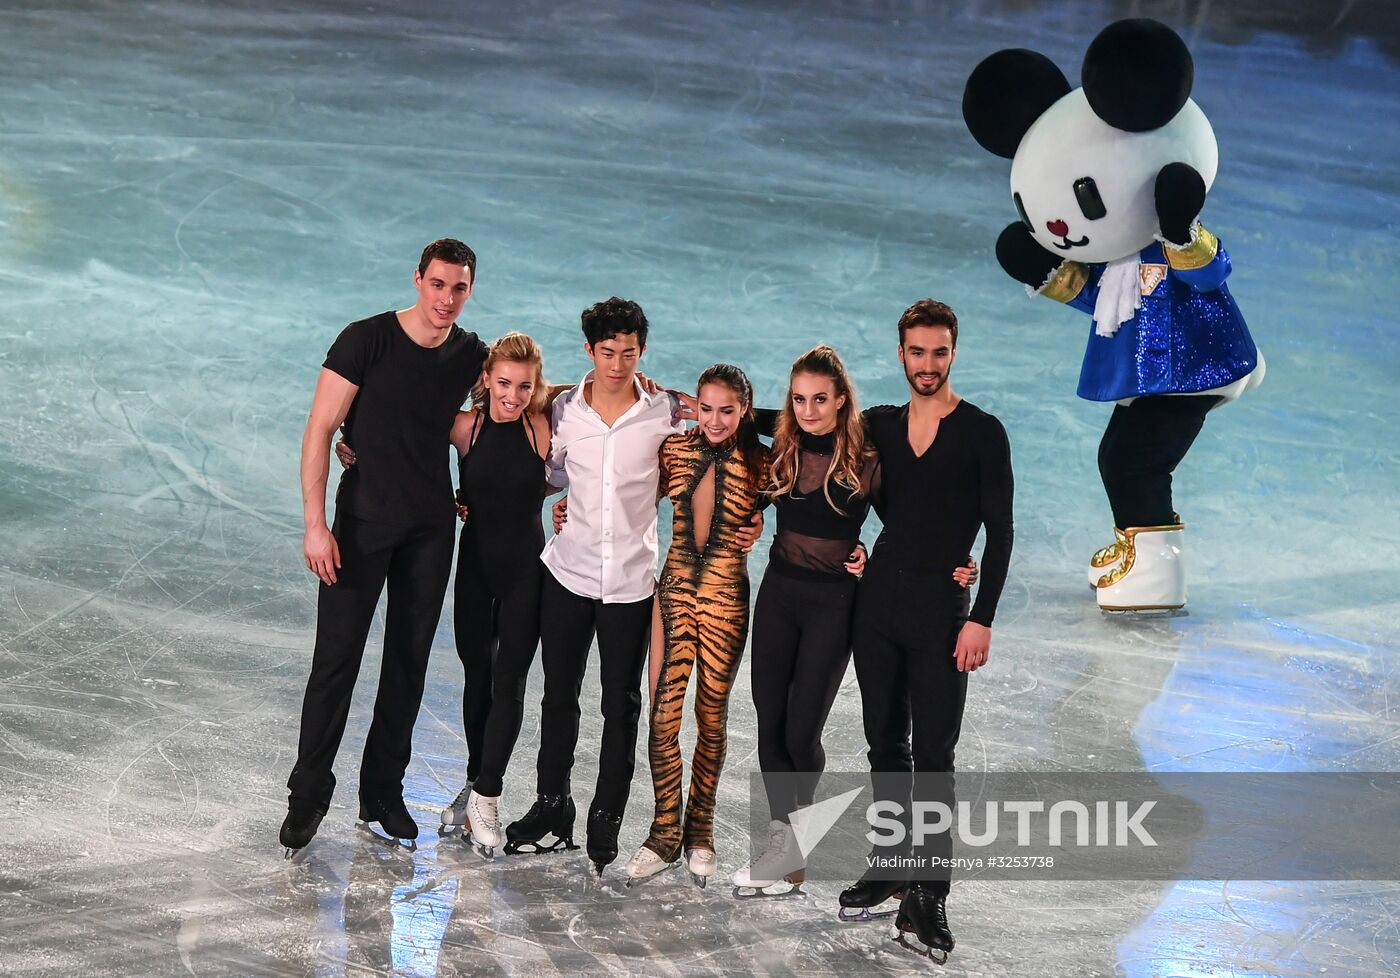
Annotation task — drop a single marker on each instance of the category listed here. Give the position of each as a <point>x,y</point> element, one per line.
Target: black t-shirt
<point>933,505</point>
<point>400,423</point>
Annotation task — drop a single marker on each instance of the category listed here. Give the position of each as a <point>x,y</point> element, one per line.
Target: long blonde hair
<point>848,456</point>
<point>514,347</point>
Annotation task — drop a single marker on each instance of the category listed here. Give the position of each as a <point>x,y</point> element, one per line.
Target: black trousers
<point>416,563</point>
<point>567,626</point>
<point>801,646</point>
<point>906,630</point>
<point>496,640</point>
<point>1141,447</point>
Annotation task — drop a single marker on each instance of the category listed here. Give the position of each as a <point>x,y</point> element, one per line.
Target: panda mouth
<point>1065,244</point>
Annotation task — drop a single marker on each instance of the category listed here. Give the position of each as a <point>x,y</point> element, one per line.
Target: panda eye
<point>1021,210</point>
<point>1090,203</point>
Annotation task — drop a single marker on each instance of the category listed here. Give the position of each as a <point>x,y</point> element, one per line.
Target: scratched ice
<point>194,197</point>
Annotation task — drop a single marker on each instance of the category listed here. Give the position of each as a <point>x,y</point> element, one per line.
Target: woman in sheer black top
<point>824,480</point>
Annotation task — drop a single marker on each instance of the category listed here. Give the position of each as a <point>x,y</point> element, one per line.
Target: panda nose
<point>1058,228</point>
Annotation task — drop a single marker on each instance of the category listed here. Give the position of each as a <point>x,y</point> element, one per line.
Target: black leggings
<point>1141,447</point>
<point>415,562</point>
<point>496,640</point>
<point>905,633</point>
<point>801,646</point>
<point>568,623</point>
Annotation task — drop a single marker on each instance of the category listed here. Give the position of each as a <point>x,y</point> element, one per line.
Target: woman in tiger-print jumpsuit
<point>715,475</point>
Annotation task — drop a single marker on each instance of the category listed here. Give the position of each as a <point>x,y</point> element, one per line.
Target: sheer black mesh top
<point>814,540</point>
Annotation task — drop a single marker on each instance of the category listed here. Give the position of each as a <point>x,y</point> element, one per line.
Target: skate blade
<point>699,880</point>
<point>537,849</point>
<point>485,852</point>
<point>933,954</point>
<point>389,841</point>
<point>773,892</point>
<point>849,916</point>
<point>294,857</point>
<point>639,880</point>
<point>1165,611</point>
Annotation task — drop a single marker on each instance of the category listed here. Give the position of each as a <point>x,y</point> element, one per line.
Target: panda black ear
<point>1006,93</point>
<point>1137,75</point>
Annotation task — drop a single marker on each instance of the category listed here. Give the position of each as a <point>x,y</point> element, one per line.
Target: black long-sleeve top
<point>933,505</point>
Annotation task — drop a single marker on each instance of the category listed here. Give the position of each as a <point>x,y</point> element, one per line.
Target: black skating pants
<point>1142,446</point>
<point>568,623</point>
<point>912,694</point>
<point>416,563</point>
<point>496,640</point>
<point>801,646</point>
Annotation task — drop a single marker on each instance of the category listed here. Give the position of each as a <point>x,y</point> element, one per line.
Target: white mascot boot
<point>1107,558</point>
<point>1150,574</point>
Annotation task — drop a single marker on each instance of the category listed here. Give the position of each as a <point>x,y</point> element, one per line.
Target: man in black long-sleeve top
<point>946,473</point>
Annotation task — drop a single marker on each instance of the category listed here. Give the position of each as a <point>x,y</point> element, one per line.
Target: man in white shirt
<point>600,577</point>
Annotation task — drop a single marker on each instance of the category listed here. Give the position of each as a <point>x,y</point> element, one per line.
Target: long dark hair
<point>755,455</point>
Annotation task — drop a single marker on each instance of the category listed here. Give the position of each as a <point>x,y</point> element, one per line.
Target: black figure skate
<point>602,838</point>
<point>399,828</point>
<point>550,815</point>
<point>299,828</point>
<point>868,899</point>
<point>923,916</point>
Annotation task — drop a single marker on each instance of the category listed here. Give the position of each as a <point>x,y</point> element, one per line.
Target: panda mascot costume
<point>1108,181</point>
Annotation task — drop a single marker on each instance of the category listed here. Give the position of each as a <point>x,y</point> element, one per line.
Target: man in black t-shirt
<point>945,473</point>
<point>396,382</point>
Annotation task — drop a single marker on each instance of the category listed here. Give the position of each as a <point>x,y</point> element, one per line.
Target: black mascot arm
<point>1022,258</point>
<point>1180,193</point>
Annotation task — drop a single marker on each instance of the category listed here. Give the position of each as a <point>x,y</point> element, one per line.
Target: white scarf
<point>1120,295</point>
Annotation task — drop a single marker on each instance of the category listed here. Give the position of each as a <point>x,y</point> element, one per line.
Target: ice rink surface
<point>195,197</point>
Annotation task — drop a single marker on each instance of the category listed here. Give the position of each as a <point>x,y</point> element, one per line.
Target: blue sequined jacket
<point>1188,334</point>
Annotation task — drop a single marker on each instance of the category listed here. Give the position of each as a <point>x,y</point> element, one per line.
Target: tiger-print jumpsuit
<point>704,595</point>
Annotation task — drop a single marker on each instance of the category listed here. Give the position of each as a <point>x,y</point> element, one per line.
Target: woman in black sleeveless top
<point>502,444</point>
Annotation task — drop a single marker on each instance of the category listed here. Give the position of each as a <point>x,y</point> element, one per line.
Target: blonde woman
<point>502,444</point>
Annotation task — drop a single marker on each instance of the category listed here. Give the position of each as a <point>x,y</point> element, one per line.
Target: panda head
<point>1085,162</point>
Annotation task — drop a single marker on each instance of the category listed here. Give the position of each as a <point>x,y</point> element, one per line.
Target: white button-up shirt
<point>607,548</point>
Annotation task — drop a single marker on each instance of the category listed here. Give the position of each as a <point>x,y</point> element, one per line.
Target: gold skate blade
<point>1157,610</point>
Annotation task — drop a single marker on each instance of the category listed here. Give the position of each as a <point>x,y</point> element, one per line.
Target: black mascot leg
<point>1142,446</point>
